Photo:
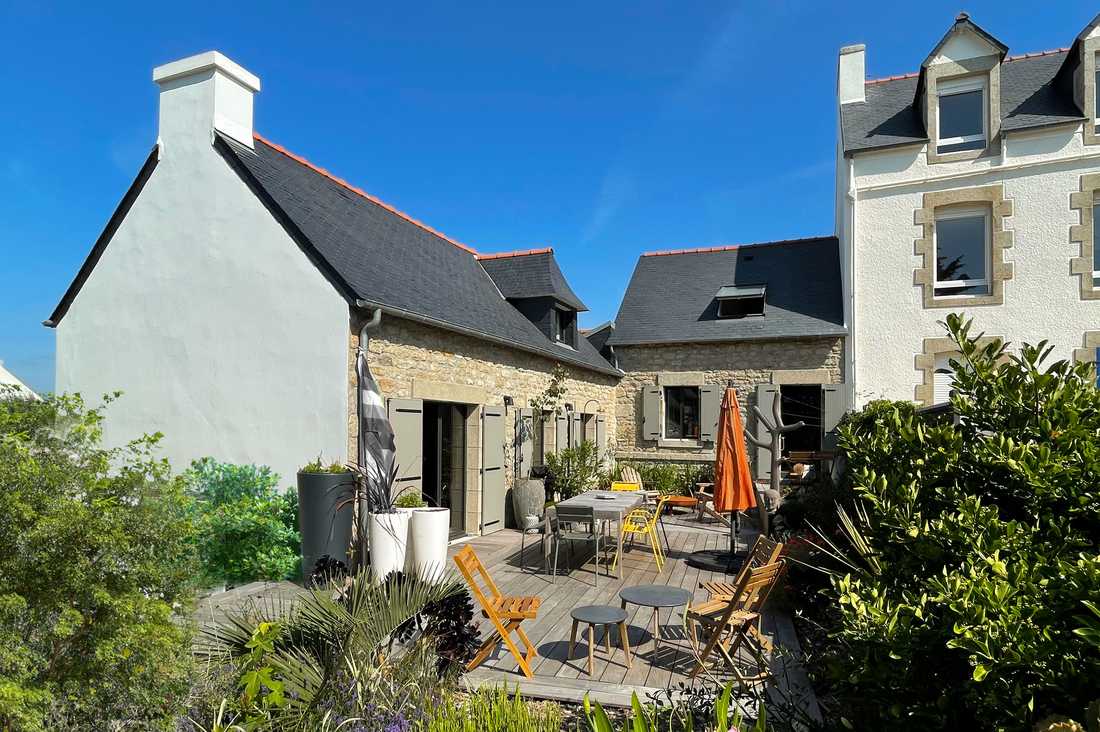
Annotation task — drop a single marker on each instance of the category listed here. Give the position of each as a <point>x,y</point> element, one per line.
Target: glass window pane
<point>682,412</point>
<point>960,249</point>
<point>1095,237</point>
<point>961,114</point>
<point>1096,112</point>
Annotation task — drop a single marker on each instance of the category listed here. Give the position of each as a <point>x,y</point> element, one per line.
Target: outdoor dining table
<point>609,506</point>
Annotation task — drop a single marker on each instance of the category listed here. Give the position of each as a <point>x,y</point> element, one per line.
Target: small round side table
<point>607,616</point>
<point>656,597</point>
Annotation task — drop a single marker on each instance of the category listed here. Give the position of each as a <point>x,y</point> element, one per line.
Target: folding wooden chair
<point>765,550</point>
<point>505,612</point>
<point>728,622</point>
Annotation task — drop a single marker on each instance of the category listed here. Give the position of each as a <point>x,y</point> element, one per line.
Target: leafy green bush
<point>410,499</point>
<point>318,466</point>
<point>667,478</point>
<point>573,470</point>
<point>246,528</point>
<point>977,550</point>
<point>96,564</point>
<point>491,710</point>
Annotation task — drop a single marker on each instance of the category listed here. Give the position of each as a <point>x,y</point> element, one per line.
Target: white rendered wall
<point>210,319</point>
<point>1039,171</point>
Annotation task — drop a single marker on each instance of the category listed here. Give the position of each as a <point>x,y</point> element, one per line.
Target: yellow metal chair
<point>641,522</point>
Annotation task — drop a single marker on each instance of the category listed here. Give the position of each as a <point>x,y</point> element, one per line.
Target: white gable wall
<point>212,321</point>
<point>1039,171</point>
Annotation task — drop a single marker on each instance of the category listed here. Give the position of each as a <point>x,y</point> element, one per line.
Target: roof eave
<point>840,332</point>
<point>104,238</point>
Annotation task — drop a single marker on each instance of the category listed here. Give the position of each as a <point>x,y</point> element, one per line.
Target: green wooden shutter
<point>710,404</point>
<point>765,393</point>
<point>651,413</point>
<point>525,442</point>
<point>493,489</point>
<point>561,431</point>
<point>601,434</point>
<point>407,419</point>
<point>834,403</point>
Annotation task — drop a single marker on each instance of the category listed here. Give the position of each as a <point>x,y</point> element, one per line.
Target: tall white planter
<point>430,533</point>
<point>388,541</point>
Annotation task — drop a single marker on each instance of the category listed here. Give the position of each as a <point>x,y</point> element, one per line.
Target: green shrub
<point>318,466</point>
<point>96,564</point>
<point>491,710</point>
<point>573,470</point>
<point>246,528</point>
<point>410,499</point>
<point>667,478</point>
<point>980,550</point>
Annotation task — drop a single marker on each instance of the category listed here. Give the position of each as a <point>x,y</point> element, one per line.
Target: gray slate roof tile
<point>390,261</point>
<point>531,274</point>
<point>671,297</point>
<point>1031,96</point>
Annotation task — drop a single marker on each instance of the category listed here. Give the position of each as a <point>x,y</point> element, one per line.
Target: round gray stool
<point>607,616</point>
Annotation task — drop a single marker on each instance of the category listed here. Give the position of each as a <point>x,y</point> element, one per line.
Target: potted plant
<point>324,519</point>
<point>429,534</point>
<point>382,529</point>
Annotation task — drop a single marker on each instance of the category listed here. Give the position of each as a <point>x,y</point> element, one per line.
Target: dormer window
<point>962,115</point>
<point>563,325</point>
<point>740,301</point>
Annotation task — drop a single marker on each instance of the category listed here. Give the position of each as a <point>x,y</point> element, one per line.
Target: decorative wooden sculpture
<point>776,429</point>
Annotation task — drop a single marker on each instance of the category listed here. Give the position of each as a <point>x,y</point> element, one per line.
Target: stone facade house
<point>967,186</point>
<point>230,290</point>
<point>764,318</point>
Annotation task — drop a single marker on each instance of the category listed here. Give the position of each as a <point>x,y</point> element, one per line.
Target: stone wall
<point>412,360</point>
<point>745,363</point>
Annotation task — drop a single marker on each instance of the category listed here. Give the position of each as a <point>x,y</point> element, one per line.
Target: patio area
<point>556,675</point>
<point>559,677</point>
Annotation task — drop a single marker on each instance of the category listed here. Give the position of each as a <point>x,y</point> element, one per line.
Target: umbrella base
<point>717,560</point>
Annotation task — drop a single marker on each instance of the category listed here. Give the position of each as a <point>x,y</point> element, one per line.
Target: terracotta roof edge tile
<point>1017,57</point>
<point>732,247</point>
<point>359,191</point>
<point>517,253</point>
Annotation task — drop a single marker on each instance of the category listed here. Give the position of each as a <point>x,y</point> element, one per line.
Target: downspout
<point>851,197</point>
<point>372,324</point>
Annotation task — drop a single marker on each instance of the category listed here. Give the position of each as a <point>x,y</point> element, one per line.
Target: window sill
<point>680,444</point>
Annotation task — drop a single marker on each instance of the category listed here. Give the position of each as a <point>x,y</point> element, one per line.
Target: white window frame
<point>1095,231</point>
<point>950,87</point>
<point>962,213</point>
<point>1096,92</point>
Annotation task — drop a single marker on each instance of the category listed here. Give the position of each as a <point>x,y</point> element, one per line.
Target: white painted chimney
<point>200,94</point>
<point>851,74</point>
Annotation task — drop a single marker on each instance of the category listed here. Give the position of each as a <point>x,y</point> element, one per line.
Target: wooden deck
<point>558,677</point>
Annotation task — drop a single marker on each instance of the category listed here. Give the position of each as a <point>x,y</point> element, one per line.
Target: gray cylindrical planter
<point>528,499</point>
<point>324,529</point>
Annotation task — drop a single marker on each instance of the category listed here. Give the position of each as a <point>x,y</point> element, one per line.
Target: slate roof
<point>388,260</point>
<point>533,273</point>
<point>671,296</point>
<point>1033,94</point>
<point>598,336</point>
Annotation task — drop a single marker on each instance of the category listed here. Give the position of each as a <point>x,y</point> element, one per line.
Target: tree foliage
<point>246,527</point>
<point>96,564</point>
<point>983,535</point>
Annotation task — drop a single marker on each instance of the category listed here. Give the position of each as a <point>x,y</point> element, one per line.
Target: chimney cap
<point>962,16</point>
<point>202,62</point>
<point>853,48</point>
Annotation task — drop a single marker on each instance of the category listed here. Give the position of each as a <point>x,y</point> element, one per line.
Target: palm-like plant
<point>336,639</point>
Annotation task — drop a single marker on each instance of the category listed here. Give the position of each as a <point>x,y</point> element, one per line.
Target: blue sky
<point>601,129</point>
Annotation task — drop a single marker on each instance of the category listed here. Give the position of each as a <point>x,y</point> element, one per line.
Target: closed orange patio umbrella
<point>733,489</point>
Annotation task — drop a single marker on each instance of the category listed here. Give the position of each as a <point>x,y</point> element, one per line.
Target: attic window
<point>962,117</point>
<point>739,301</point>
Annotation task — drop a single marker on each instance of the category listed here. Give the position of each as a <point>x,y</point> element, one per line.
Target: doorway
<point>801,404</point>
<point>444,455</point>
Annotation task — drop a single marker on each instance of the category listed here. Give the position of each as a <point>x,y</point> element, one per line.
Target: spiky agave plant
<point>328,633</point>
